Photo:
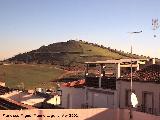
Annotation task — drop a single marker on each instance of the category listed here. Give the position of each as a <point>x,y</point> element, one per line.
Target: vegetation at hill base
<point>29,76</point>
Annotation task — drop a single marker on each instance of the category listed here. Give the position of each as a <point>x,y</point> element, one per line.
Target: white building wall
<point>75,97</point>
<point>72,97</point>
<point>102,98</point>
<point>140,88</point>
<point>2,84</point>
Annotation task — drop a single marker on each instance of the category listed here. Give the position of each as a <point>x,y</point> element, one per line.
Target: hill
<point>70,53</point>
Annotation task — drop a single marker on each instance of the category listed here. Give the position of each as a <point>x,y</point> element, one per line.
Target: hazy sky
<point>28,24</point>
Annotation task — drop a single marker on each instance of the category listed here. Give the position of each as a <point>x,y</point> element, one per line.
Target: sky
<point>28,24</point>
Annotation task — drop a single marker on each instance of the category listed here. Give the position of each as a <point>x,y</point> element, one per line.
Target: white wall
<point>102,98</point>
<point>2,84</point>
<point>95,97</point>
<point>140,88</point>
<point>72,97</point>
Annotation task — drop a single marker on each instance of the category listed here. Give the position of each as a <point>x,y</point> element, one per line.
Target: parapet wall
<point>74,114</point>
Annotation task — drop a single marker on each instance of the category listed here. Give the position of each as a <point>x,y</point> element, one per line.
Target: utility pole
<point>131,85</point>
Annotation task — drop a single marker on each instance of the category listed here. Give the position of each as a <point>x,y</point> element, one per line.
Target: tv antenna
<point>155,25</point>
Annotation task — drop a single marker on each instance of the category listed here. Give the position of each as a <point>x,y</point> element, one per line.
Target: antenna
<point>77,38</point>
<point>131,69</point>
<point>155,25</point>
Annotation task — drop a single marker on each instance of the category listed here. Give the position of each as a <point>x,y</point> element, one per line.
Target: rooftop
<point>23,97</point>
<point>150,73</point>
<point>78,83</point>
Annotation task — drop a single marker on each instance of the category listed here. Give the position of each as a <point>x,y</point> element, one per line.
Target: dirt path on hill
<point>67,72</point>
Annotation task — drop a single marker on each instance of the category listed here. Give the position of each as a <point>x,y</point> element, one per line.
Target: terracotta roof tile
<point>149,73</point>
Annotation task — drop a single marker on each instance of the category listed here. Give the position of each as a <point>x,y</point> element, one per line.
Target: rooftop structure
<point>150,74</point>
<point>117,61</point>
<point>115,68</point>
<point>104,73</point>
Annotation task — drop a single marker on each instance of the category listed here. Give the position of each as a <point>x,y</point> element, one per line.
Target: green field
<point>29,76</point>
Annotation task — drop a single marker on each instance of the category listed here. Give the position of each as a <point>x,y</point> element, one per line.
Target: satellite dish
<point>134,100</point>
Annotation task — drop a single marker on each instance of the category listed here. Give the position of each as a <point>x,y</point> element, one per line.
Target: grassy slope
<point>31,75</point>
<point>94,50</point>
<point>89,53</point>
